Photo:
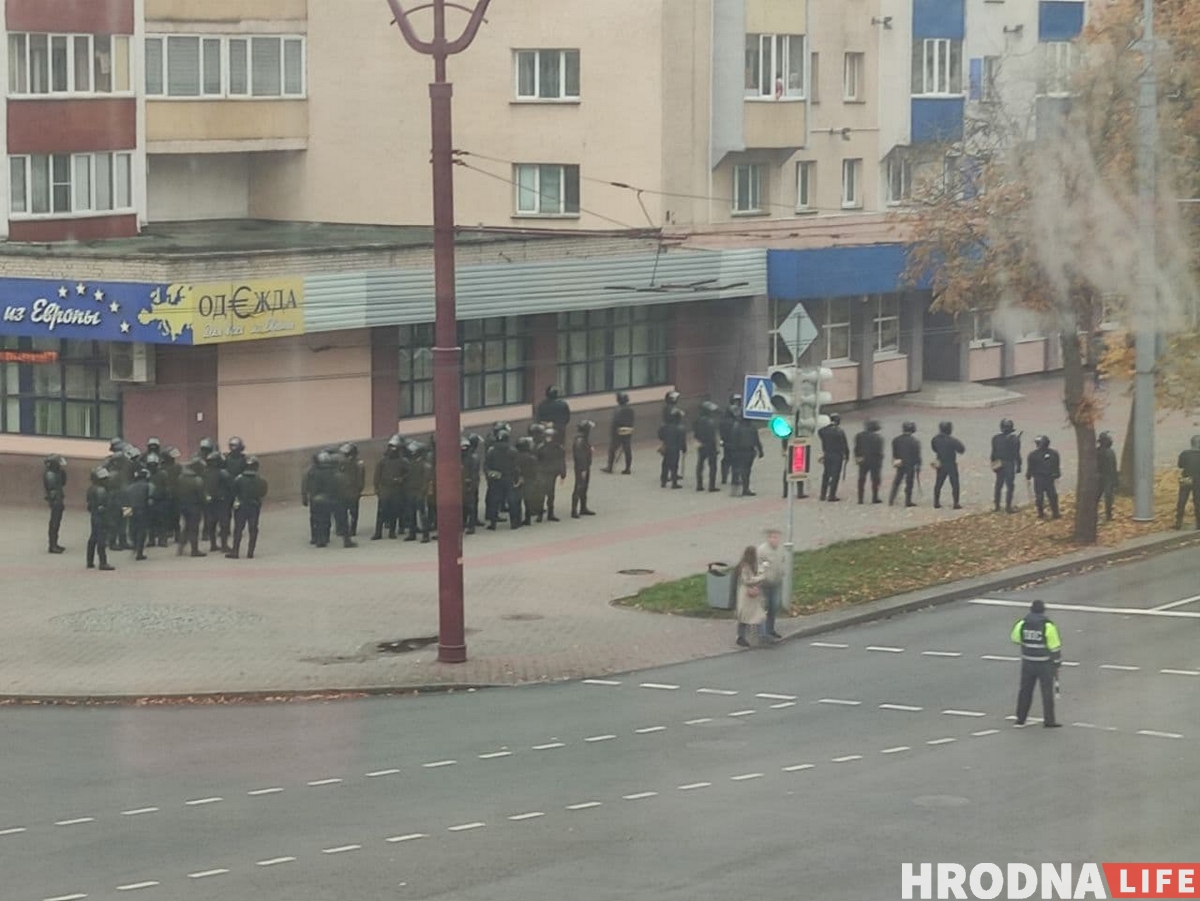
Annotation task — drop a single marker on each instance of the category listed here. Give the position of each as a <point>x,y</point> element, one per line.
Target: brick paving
<point>537,600</point>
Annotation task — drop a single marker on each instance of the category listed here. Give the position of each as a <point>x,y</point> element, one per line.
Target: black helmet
<point>153,444</point>
<point>500,426</point>
<point>173,452</point>
<point>525,443</point>
<point>215,459</point>
<point>586,426</point>
<point>100,474</point>
<point>536,430</point>
<point>549,435</point>
<point>909,427</point>
<point>677,415</point>
<point>735,399</point>
<point>734,410</point>
<point>236,445</point>
<point>395,441</point>
<point>1043,441</point>
<point>152,460</point>
<point>54,461</point>
<point>553,393</point>
<point>131,452</point>
<point>141,474</point>
<point>672,397</point>
<point>475,440</point>
<point>622,397</point>
<point>464,444</point>
<point>251,464</point>
<point>197,463</point>
<point>873,425</point>
<point>1006,426</point>
<point>835,418</point>
<point>1105,439</point>
<point>347,450</point>
<point>502,436</point>
<point>206,445</point>
<point>116,444</point>
<point>324,458</point>
<point>708,408</point>
<point>945,427</point>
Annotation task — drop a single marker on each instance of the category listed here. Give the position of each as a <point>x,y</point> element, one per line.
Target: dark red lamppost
<point>447,380</point>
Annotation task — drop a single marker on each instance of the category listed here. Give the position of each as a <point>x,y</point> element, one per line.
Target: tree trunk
<point>1125,476</point>
<point>1081,413</point>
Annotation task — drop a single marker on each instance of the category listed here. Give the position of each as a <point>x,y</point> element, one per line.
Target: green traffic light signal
<point>780,427</point>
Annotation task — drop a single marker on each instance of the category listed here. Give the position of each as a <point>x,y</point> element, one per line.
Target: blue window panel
<point>976,79</point>
<point>939,19</point>
<point>1059,20</point>
<point>836,271</point>
<point>937,120</point>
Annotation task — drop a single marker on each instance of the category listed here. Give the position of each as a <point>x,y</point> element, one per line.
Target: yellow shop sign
<point>243,311</point>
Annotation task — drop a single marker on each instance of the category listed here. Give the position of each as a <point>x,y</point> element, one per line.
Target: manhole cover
<point>405,645</point>
<point>157,618</point>
<point>522,617</point>
<point>635,572</point>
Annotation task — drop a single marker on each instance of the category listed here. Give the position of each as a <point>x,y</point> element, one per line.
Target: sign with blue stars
<point>77,310</point>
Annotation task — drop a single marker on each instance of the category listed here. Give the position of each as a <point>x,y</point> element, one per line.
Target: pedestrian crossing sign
<point>757,393</point>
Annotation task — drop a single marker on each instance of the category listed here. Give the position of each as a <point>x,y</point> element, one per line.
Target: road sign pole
<point>785,601</point>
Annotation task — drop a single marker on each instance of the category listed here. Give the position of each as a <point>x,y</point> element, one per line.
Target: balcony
<point>225,10</point>
<point>225,126</point>
<point>774,124</point>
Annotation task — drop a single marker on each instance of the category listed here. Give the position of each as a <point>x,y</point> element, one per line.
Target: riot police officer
<point>672,436</point>
<point>670,404</point>
<point>705,433</point>
<point>500,470</point>
<point>581,457</point>
<point>620,438</point>
<point>100,505</point>
<point>1043,469</point>
<point>389,483</point>
<point>307,482</point>
<point>553,411</point>
<point>170,509</point>
<point>357,471</point>
<point>747,446</point>
<point>725,429</point>
<point>416,492</point>
<point>54,484</point>
<point>868,454</point>
<point>529,474</point>
<point>946,449</point>
<point>139,498</point>
<point>192,501</point>
<point>906,457</point>
<point>552,466</point>
<point>1006,463</point>
<point>217,487</point>
<point>249,489</point>
<point>1106,472</point>
<point>470,486</point>
<point>1189,482</point>
<point>836,451</point>
<point>1041,656</point>
<point>474,460</point>
<point>120,473</point>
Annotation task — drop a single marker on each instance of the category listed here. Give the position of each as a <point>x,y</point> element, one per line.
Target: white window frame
<point>852,176</point>
<point>120,176</point>
<point>898,174</point>
<point>837,320</point>
<point>73,42</point>
<point>1058,67</point>
<point>938,75</point>
<point>539,193</point>
<point>989,72</point>
<point>773,53</point>
<point>983,329</point>
<point>885,309</point>
<point>756,177</point>
<point>806,186</point>
<point>225,67</point>
<point>854,67</point>
<point>565,56</point>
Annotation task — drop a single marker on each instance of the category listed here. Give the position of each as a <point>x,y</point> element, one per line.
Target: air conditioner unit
<point>131,363</point>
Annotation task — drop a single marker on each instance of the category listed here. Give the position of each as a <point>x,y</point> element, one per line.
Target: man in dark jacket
<point>217,486</point>
<point>1041,656</point>
<point>389,483</point>
<point>725,428</point>
<point>672,436</point>
<point>1044,470</point>
<point>416,492</point>
<point>552,466</point>
<point>500,470</point>
<point>868,454</point>
<point>1106,471</point>
<point>358,482</point>
<point>120,474</point>
<point>54,484</point>
<point>470,486</point>
<point>747,446</point>
<point>529,474</point>
<point>1006,463</point>
<point>581,457</point>
<point>192,501</point>
<point>140,500</point>
<point>620,437</point>
<point>946,449</point>
<point>249,489</point>
<point>906,457</point>
<point>1189,483</point>
<point>705,433</point>
<point>554,412</point>
<point>99,504</point>
<point>836,452</point>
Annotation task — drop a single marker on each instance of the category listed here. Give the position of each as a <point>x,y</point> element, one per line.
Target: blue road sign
<point>756,394</point>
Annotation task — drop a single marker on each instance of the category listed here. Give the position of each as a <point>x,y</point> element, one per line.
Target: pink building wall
<point>1029,356</point>
<point>985,363</point>
<point>844,386</point>
<point>891,376</point>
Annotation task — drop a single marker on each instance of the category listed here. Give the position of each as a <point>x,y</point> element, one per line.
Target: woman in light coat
<point>750,609</point>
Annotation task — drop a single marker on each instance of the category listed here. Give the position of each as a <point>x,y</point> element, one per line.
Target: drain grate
<point>635,572</point>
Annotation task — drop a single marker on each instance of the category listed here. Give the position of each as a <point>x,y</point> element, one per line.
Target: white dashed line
<point>438,763</point>
<point>600,682</point>
<point>600,738</point>
<point>1094,726</point>
<point>376,773</point>
<point>1118,666</point>
<point>495,754</point>
<point>341,849</point>
<point>783,704</point>
<point>648,729</point>
<point>76,821</point>
<point>67,897</point>
<point>743,713</point>
<point>983,732</point>
<point>1181,603</point>
<point>840,701</point>
<point>715,691</point>
<point>1002,657</point>
<point>962,713</point>
<point>466,827</point>
<point>549,745</point>
<point>137,812</point>
<point>1070,663</point>
<point>703,719</point>
<point>274,861</point>
<point>1153,734</point>
<point>895,750</point>
<point>201,801</point>
<point>14,831</point>
<point>941,741</point>
<point>907,708</point>
<point>1180,672</point>
<point>745,776</point>
<point>659,685</point>
<point>885,649</point>
<point>134,886</point>
<point>828,644</point>
<point>847,758</point>
<point>692,785</point>
<point>317,782</point>
<point>258,792</point>
<point>638,796</point>
<point>585,805</point>
<point>532,815</point>
<point>204,874</point>
<point>768,696</point>
<point>797,767</point>
<point>941,654</point>
<point>410,837</point>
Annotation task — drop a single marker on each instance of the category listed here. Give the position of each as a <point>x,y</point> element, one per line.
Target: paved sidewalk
<point>537,599</point>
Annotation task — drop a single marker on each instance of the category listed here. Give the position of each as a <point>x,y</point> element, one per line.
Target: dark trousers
<point>117,534</point>
<point>670,469</point>
<point>620,444</point>
<point>216,525</point>
<point>1107,489</point>
<point>742,465</point>
<point>190,533</point>
<point>245,517</point>
<point>831,475</point>
<point>1005,477</point>
<point>470,509</point>
<point>1043,492</point>
<point>875,471</point>
<point>1186,491</point>
<point>515,499</point>
<point>321,515</point>
<point>56,515</point>
<point>139,530</point>
<point>165,526</point>
<point>551,492</point>
<point>97,541</point>
<point>1032,674</point>
<point>580,492</point>
<point>493,500</point>
<point>945,472</point>
<point>706,456</point>
<point>352,514</point>
<point>904,474</point>
<point>800,492</point>
<point>728,466</point>
<point>387,512</point>
<point>416,517</point>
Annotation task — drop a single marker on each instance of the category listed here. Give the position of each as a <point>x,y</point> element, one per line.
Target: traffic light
<point>783,399</point>
<point>809,400</point>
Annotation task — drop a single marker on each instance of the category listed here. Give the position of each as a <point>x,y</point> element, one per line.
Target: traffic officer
<point>1189,483</point>
<point>836,452</point>
<point>672,436</point>
<point>1006,463</point>
<point>1106,470</point>
<point>705,433</point>
<point>54,483</point>
<point>1043,469</point>
<point>1041,656</point>
<point>581,458</point>
<point>906,457</point>
<point>868,454</point>
<point>946,449</point>
<point>99,505</point>
<point>249,489</point>
<point>620,438</point>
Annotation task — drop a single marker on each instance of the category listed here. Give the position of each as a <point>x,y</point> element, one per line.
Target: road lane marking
<point>532,815</point>
<point>391,772</point>
<point>438,763</point>
<point>274,861</point>
<point>840,701</point>
<point>1087,608</point>
<point>549,745</point>
<point>137,812</point>
<point>14,831</point>
<point>134,886</point>
<point>797,767</point>
<point>715,691</point>
<point>204,874</point>
<point>941,741</point>
<point>199,802</point>
<point>1180,672</point>
<point>745,776</point>
<point>584,805</point>
<point>828,644</point>
<point>895,750</point>
<point>783,704</point>
<point>907,708</point>
<point>768,696</point>
<point>317,782</point>
<point>76,821</point>
<point>941,653</point>
<point>495,754</point>
<point>600,682</point>
<point>659,685</point>
<point>1155,734</point>
<point>1174,604</point>
<point>692,785</point>
<point>983,732</point>
<point>1094,726</point>
<point>886,649</point>
<point>648,729</point>
<point>743,713</point>
<point>1003,657</point>
<point>847,758</point>
<point>264,791</point>
<point>697,722</point>
<point>1118,666</point>
<point>341,849</point>
<point>410,837</point>
<point>637,796</point>
<point>600,738</point>
<point>1070,663</point>
<point>963,713</point>
<point>76,897</point>
<point>466,827</point>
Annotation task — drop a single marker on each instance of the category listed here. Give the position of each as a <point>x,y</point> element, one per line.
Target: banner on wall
<point>180,313</point>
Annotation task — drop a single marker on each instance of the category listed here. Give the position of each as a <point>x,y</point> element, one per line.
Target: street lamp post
<point>447,379</point>
<point>1147,317</point>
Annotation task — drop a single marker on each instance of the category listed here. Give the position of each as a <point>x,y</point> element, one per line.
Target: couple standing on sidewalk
<point>759,581</point>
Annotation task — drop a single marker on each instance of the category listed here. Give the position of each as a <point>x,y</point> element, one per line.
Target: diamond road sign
<point>797,331</point>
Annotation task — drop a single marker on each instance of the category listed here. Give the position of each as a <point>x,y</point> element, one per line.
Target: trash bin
<point>720,586</point>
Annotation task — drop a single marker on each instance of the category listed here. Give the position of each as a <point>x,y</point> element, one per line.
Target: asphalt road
<point>808,770</point>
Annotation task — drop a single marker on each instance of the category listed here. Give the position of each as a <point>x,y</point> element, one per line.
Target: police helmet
<point>173,452</point>
<point>873,425</point>
<point>1006,426</point>
<point>206,445</point>
<point>1105,439</point>
<point>197,463</point>
<point>215,459</point>
<point>945,427</point>
<point>51,461</point>
<point>475,440</point>
<point>622,397</point>
<point>394,441</point>
<point>464,444</point>
<point>100,474</point>
<point>735,399</point>
<point>347,450</point>
<point>553,393</point>
<point>502,436</point>
<point>677,415</point>
<point>252,464</point>
<point>672,397</point>
<point>131,452</point>
<point>141,474</point>
<point>733,411</point>
<point>586,426</point>
<point>525,443</point>
<point>1043,441</point>
<point>236,445</point>
<point>835,418</point>
<point>550,435</point>
<point>324,458</point>
<point>500,426</point>
<point>152,460</point>
<point>708,408</point>
<point>153,444</point>
<point>116,444</point>
<point>536,430</point>
<point>909,427</point>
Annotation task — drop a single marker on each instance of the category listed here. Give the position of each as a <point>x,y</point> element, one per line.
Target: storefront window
<point>71,398</point>
<point>606,350</point>
<point>495,352</point>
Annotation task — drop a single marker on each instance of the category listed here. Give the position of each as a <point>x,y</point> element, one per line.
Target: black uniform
<point>1043,468</point>
<point>620,440</point>
<point>1006,461</point>
<point>416,495</point>
<point>218,487</point>
<point>169,510</point>
<point>54,484</point>
<point>672,436</point>
<point>500,469</point>
<point>1189,484</point>
<point>746,447</point>
<point>530,475</point>
<point>120,474</point>
<point>836,451</point>
<point>705,433</point>
<point>140,499</point>
<point>192,501</point>
<point>581,457</point>
<point>315,512</point>
<point>324,498</point>
<point>906,457</point>
<point>725,429</point>
<point>470,488</point>
<point>389,483</point>
<point>1041,656</point>
<point>1106,472</point>
<point>946,449</point>
<point>554,412</point>
<point>358,482</point>
<point>99,504</point>
<point>235,464</point>
<point>249,489</point>
<point>552,466</point>
<point>868,453</point>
